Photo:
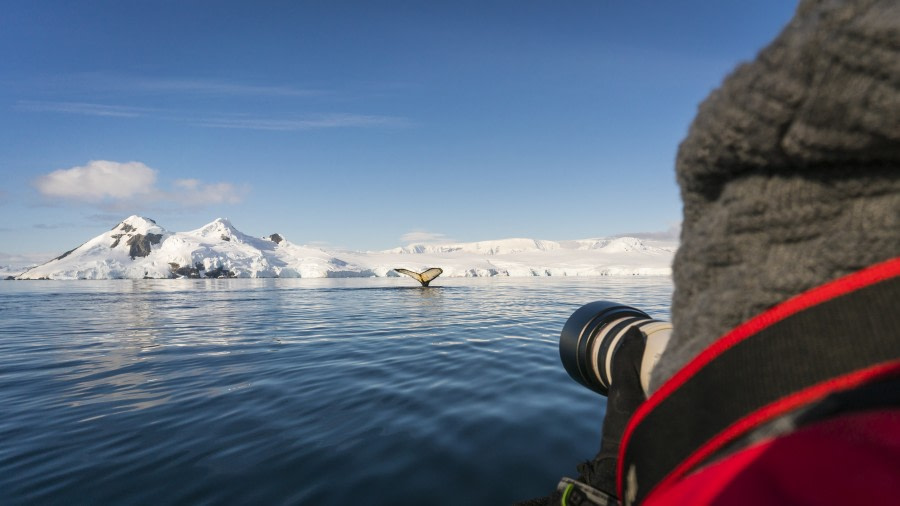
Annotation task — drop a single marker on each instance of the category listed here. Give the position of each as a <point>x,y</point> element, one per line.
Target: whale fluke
<point>423,277</point>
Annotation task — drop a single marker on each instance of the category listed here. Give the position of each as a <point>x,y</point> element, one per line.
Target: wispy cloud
<point>84,108</point>
<point>422,237</point>
<point>208,87</point>
<point>118,185</point>
<point>24,259</point>
<point>104,218</point>
<point>310,123</point>
<point>127,96</point>
<point>195,193</point>
<point>235,121</point>
<point>53,226</point>
<point>132,84</point>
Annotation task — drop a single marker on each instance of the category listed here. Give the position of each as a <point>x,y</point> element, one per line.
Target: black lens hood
<point>576,339</point>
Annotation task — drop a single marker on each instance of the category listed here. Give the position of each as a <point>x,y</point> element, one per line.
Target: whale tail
<point>423,277</point>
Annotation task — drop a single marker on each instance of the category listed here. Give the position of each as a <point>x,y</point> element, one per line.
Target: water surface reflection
<point>295,391</point>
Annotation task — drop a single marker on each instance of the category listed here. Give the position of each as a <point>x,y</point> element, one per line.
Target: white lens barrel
<point>657,334</point>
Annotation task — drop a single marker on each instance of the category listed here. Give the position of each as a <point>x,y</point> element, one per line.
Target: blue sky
<point>356,124</point>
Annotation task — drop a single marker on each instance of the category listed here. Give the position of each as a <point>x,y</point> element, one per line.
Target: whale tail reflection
<point>423,277</point>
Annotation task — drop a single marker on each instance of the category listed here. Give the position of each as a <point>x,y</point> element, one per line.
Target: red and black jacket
<point>839,341</point>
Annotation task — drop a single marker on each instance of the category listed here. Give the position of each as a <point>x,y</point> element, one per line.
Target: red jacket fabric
<point>850,459</point>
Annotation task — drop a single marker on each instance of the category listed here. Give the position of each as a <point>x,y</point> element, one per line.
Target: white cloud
<point>117,185</point>
<point>98,180</point>
<point>186,184</point>
<point>422,237</point>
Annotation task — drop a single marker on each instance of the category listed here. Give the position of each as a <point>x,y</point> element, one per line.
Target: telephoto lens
<point>592,335</point>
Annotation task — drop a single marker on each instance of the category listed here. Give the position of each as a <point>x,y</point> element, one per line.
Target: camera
<point>593,334</point>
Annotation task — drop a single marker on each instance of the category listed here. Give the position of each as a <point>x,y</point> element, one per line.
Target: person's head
<point>790,174</point>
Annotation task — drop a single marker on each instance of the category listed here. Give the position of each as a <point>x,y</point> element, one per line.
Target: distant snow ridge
<point>139,248</point>
<point>623,245</point>
<point>503,246</point>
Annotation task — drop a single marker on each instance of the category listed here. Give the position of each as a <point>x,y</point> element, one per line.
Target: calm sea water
<point>295,391</point>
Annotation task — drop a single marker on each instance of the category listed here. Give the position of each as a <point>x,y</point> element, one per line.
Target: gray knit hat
<point>790,174</point>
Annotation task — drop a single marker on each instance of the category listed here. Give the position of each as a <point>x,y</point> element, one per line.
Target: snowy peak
<point>133,238</point>
<point>139,248</point>
<point>219,230</point>
<point>136,235</point>
<point>218,226</point>
<point>136,224</point>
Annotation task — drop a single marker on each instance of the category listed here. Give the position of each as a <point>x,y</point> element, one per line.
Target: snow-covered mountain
<point>140,248</point>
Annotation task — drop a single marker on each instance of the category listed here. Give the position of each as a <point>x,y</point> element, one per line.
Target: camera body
<point>592,335</point>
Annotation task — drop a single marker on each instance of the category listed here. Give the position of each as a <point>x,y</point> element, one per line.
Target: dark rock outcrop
<point>187,271</point>
<point>219,272</point>
<point>140,244</point>
<point>276,238</point>
<point>67,253</point>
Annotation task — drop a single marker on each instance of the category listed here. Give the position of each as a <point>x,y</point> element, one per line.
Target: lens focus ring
<point>577,341</point>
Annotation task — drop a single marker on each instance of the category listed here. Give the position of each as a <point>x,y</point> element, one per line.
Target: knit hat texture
<point>790,173</point>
